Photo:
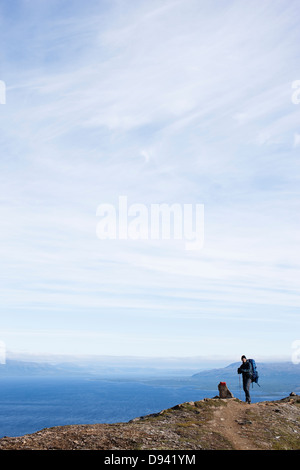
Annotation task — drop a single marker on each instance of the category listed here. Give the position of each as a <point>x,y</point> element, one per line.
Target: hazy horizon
<point>175,360</point>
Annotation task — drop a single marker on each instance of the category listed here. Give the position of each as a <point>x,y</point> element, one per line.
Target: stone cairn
<point>224,392</point>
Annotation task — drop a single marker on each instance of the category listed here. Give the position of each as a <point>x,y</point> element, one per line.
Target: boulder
<point>224,392</point>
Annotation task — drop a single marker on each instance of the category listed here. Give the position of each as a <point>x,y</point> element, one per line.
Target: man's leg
<point>247,391</point>
<point>246,387</point>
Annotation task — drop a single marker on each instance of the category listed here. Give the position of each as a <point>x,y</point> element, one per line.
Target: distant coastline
<point>38,395</point>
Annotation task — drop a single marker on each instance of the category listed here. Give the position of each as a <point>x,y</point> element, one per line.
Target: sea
<point>30,404</point>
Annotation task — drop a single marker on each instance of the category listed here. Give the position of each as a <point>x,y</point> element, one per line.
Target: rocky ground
<point>209,424</point>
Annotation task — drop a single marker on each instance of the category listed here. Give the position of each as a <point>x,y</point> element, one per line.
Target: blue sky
<point>175,101</point>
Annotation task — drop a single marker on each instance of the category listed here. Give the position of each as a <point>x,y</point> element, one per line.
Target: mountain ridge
<point>277,377</point>
<point>273,377</point>
<point>208,424</point>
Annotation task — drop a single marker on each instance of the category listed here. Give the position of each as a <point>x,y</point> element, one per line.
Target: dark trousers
<point>246,387</point>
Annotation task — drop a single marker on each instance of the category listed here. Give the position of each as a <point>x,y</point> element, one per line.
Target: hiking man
<point>245,370</point>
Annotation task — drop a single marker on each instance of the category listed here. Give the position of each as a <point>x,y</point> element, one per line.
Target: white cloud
<point>181,102</point>
<point>296,140</point>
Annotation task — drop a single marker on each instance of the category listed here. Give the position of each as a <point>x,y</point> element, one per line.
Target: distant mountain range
<point>275,377</point>
<point>13,368</point>
<point>279,376</point>
<point>105,368</point>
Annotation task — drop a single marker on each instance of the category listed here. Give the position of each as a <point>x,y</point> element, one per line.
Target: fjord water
<point>30,404</point>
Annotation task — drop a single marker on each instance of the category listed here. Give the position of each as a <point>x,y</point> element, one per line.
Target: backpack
<point>254,373</point>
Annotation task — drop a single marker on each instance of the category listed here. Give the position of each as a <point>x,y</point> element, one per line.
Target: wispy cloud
<point>164,102</point>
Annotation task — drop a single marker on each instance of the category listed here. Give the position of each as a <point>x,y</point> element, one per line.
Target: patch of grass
<point>221,442</point>
<point>187,424</point>
<point>286,441</point>
<point>214,402</point>
<point>188,407</point>
<point>286,438</point>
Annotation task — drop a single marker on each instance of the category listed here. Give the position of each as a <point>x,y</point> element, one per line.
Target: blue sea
<point>30,404</point>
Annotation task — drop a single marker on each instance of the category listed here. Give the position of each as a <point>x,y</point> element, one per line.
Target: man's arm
<point>245,367</point>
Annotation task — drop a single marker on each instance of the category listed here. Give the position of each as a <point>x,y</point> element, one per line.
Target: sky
<point>162,102</point>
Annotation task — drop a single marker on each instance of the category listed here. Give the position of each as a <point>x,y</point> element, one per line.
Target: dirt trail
<point>231,421</point>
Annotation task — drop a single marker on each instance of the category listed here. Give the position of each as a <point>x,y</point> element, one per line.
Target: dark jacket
<point>245,369</point>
